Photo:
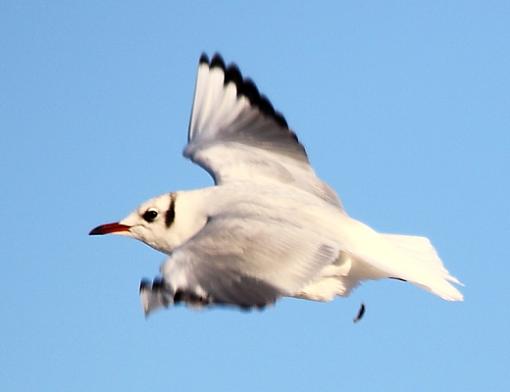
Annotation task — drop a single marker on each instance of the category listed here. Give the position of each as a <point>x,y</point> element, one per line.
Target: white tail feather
<point>369,255</point>
<point>425,268</point>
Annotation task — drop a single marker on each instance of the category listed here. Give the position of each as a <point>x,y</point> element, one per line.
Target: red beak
<point>109,228</point>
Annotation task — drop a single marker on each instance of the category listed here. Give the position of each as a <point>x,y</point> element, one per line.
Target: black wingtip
<point>204,59</point>
<point>144,283</point>
<point>158,283</point>
<point>245,87</point>
<point>217,61</point>
<point>250,91</point>
<point>232,74</point>
<point>280,119</point>
<point>265,106</point>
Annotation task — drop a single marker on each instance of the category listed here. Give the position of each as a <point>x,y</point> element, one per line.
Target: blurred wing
<point>247,261</point>
<point>236,135</point>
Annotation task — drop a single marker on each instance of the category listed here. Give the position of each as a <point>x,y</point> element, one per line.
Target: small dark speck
<point>360,314</point>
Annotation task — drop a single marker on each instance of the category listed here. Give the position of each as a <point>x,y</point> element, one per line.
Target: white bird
<point>269,228</point>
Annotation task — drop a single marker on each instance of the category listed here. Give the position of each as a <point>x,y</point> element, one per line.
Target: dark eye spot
<point>150,215</point>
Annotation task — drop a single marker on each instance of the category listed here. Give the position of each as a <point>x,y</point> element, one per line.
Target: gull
<point>269,227</point>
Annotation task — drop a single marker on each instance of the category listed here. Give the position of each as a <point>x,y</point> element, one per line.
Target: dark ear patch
<point>170,213</point>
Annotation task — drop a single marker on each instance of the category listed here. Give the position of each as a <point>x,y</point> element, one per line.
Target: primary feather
<point>236,135</point>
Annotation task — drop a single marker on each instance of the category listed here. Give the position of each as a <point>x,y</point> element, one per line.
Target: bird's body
<point>269,227</point>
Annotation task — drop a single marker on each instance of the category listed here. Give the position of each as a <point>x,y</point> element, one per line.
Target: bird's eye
<point>150,215</point>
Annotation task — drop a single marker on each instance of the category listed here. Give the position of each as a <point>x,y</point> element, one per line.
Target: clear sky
<point>404,110</point>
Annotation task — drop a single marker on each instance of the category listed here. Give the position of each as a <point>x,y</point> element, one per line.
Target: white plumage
<point>269,227</point>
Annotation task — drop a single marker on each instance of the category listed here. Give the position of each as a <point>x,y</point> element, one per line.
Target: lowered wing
<point>247,260</point>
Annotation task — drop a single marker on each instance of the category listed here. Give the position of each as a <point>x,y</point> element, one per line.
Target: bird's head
<point>153,222</point>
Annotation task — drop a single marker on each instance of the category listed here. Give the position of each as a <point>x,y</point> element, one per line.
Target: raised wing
<point>247,260</point>
<point>236,135</point>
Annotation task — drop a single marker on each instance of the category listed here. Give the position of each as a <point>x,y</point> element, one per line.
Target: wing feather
<point>233,126</point>
<point>248,260</point>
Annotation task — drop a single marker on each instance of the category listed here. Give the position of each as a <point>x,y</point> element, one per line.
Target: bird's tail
<point>422,266</point>
<point>369,255</point>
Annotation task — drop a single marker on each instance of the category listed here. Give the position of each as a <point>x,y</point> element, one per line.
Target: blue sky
<point>404,110</point>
